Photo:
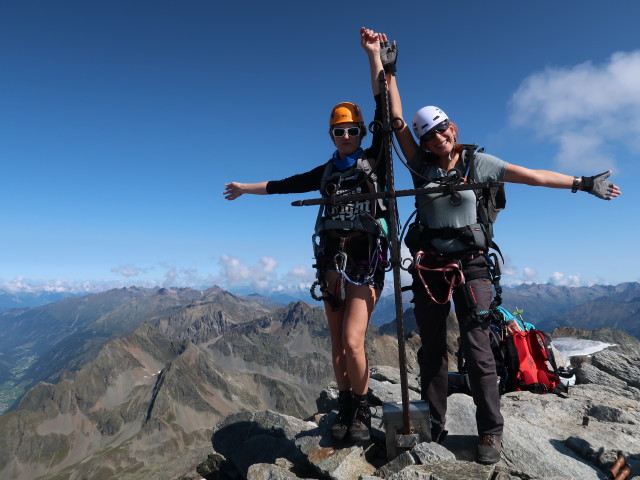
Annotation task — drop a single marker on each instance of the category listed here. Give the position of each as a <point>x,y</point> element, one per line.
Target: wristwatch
<point>577,183</point>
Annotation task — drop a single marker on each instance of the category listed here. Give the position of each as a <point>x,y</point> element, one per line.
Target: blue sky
<point>120,122</point>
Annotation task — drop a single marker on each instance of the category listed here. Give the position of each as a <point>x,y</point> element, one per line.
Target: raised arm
<point>405,138</point>
<point>370,41</point>
<point>596,185</point>
<point>235,189</point>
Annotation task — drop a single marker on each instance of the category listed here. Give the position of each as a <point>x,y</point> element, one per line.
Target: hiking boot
<point>342,422</point>
<point>438,434</point>
<point>489,448</point>
<point>361,423</point>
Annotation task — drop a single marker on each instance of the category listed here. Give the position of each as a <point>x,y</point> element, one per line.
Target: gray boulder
<point>426,453</point>
<point>247,438</point>
<point>619,365</point>
<point>588,373</point>
<point>331,461</point>
<point>460,470</point>
<point>267,471</point>
<point>396,465</point>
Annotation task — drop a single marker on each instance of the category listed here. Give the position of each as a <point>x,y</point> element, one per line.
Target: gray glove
<point>388,55</point>
<point>598,186</point>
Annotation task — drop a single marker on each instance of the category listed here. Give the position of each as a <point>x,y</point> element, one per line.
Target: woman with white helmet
<point>450,242</point>
<point>350,248</point>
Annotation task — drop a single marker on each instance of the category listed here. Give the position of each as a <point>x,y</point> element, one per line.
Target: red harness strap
<point>451,272</point>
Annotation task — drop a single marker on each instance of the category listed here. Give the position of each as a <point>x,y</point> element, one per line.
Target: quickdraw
<point>320,281</point>
<point>451,272</point>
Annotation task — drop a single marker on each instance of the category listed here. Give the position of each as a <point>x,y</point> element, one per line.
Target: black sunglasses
<point>340,131</point>
<point>440,128</point>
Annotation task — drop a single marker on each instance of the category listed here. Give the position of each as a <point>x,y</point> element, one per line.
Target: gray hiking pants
<point>431,318</point>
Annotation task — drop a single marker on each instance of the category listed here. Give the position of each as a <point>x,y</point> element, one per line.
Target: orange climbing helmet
<point>345,112</point>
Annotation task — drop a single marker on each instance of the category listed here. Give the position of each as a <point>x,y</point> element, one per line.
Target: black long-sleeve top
<point>309,181</point>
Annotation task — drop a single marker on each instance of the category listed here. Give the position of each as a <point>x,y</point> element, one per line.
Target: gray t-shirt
<point>438,212</point>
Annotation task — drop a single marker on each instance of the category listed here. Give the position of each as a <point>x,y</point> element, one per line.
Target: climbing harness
<point>340,262</point>
<point>451,273</point>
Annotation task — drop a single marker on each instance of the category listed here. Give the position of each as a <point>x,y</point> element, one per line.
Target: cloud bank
<point>262,277</point>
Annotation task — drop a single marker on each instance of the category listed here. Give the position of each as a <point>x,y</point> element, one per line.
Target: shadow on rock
<point>261,437</point>
<point>462,446</point>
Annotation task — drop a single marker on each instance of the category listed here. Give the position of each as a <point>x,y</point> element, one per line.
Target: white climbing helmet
<point>426,118</point>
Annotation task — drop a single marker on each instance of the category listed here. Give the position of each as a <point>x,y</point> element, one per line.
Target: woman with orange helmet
<point>450,236</point>
<point>350,248</point>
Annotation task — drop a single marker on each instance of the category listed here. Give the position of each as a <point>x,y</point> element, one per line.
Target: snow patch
<point>572,347</point>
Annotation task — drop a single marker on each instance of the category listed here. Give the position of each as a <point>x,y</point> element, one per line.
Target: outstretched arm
<point>596,185</point>
<point>235,189</point>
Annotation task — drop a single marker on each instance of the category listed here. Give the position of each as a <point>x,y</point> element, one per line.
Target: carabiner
<point>341,261</point>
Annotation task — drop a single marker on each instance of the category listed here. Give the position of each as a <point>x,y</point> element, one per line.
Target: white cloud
<point>585,109</point>
<point>129,270</point>
<point>529,274</point>
<point>260,277</point>
<point>170,277</point>
<point>562,280</point>
<point>510,276</point>
<point>301,276</point>
<point>23,285</point>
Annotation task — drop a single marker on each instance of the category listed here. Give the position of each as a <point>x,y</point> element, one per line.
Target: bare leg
<point>335,322</point>
<point>359,304</point>
<point>347,327</point>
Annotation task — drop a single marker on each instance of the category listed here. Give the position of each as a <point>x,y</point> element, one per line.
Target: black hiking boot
<point>361,423</point>
<point>489,448</point>
<point>438,434</point>
<point>342,422</point>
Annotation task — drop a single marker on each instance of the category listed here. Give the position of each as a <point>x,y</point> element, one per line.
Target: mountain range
<point>550,306</point>
<point>10,299</point>
<point>141,376</point>
<point>129,383</point>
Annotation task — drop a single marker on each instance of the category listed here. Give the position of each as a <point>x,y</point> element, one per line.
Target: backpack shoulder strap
<point>468,160</point>
<point>482,194</point>
<point>364,165</point>
<point>328,168</point>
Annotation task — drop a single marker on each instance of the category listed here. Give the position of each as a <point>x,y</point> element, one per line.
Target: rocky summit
<point>546,437</point>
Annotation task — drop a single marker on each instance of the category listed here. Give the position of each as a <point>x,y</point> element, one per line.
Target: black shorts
<point>366,256</point>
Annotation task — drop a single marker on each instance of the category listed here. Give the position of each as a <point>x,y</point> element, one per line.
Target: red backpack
<point>532,364</point>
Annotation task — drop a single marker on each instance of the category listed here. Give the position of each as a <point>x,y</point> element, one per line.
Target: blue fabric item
<point>349,161</point>
<point>526,326</point>
<point>506,314</point>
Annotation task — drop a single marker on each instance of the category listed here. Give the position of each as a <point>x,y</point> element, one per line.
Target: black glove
<point>388,55</point>
<point>598,186</point>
